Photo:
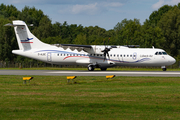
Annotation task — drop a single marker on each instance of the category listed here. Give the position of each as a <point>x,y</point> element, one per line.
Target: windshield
<point>161,53</point>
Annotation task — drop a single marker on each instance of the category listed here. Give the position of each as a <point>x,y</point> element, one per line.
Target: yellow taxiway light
<point>71,78</point>
<point>110,76</point>
<point>27,78</point>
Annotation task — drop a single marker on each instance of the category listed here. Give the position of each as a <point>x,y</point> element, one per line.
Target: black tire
<point>103,69</point>
<point>91,68</point>
<point>164,69</point>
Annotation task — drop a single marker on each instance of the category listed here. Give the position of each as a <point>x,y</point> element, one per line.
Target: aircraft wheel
<point>103,69</point>
<point>91,68</point>
<point>164,69</point>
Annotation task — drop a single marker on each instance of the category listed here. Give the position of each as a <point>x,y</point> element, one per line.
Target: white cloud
<point>158,4</point>
<point>173,2</point>
<point>22,1</point>
<point>114,4</point>
<point>88,9</point>
<point>91,8</point>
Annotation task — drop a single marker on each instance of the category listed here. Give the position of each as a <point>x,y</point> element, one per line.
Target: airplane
<point>91,56</point>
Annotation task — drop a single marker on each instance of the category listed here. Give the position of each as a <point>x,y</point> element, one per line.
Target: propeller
<point>106,50</point>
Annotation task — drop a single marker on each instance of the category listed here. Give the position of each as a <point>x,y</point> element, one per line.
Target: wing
<point>85,48</point>
<point>92,49</point>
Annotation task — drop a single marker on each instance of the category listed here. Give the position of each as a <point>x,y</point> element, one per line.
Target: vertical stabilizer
<point>26,40</point>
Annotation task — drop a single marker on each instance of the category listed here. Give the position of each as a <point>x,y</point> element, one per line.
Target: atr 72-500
<point>91,56</point>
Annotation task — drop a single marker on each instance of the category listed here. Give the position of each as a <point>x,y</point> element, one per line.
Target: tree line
<point>161,30</point>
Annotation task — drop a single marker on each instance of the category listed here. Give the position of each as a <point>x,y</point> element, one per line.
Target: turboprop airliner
<point>91,56</point>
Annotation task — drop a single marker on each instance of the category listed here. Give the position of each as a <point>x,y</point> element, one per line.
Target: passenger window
<point>127,55</point>
<point>130,55</point>
<point>124,55</point>
<point>121,55</point>
<point>114,55</point>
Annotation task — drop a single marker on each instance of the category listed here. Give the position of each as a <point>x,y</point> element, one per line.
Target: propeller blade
<point>108,55</point>
<point>104,56</point>
<point>106,50</point>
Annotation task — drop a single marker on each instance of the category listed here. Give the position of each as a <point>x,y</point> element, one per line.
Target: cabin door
<point>49,57</point>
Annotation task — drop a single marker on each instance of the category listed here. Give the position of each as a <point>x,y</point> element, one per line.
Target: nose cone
<point>171,60</point>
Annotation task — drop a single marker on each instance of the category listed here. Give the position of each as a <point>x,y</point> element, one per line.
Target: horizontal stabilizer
<point>9,24</point>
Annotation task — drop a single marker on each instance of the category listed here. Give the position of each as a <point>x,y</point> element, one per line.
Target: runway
<point>90,73</point>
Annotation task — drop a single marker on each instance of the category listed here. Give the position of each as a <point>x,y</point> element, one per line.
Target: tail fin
<point>26,40</point>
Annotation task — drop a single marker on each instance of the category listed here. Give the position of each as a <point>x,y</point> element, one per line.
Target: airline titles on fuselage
<point>146,55</point>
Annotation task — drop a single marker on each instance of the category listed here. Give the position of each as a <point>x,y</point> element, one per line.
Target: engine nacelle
<point>96,49</point>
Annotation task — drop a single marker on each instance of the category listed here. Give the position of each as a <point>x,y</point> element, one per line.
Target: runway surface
<point>90,73</point>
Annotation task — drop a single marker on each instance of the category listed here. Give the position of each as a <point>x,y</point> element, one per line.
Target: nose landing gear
<point>163,68</point>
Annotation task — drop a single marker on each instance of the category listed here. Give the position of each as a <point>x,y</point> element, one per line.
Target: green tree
<point>170,25</point>
<point>155,17</point>
<point>80,39</point>
<point>7,41</point>
<point>127,31</point>
<point>44,30</point>
<point>151,35</point>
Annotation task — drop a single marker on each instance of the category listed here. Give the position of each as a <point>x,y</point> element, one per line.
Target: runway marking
<point>114,72</point>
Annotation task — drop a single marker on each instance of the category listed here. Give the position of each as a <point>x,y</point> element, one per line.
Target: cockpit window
<point>164,53</point>
<point>160,53</point>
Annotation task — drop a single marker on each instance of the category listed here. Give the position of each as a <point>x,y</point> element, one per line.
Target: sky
<point>103,13</point>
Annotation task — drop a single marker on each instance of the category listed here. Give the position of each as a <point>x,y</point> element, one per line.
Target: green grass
<point>50,97</point>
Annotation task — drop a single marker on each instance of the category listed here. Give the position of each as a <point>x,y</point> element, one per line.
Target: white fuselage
<point>118,57</point>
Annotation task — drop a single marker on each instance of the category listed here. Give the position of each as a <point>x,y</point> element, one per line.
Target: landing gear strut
<point>163,68</point>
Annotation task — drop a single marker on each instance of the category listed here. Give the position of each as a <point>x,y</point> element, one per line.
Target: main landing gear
<point>164,69</point>
<point>92,67</point>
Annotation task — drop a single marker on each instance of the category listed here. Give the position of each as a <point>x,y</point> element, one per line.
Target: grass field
<point>50,97</point>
